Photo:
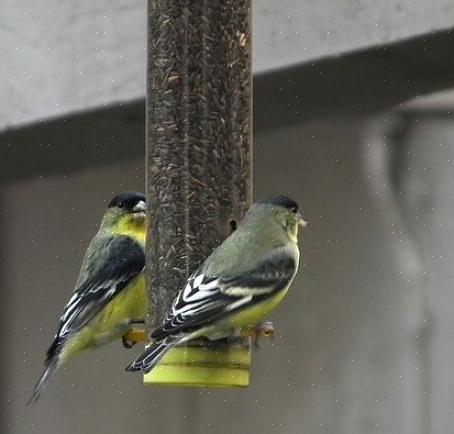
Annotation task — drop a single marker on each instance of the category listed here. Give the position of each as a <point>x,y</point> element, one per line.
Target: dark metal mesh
<point>198,135</point>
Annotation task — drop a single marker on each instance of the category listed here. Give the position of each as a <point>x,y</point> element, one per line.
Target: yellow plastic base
<point>204,366</point>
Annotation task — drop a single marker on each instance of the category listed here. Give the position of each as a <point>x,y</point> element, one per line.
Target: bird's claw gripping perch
<point>132,337</point>
<point>263,329</point>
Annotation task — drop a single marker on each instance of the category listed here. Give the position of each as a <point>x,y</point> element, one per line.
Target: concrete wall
<point>60,56</point>
<point>425,177</point>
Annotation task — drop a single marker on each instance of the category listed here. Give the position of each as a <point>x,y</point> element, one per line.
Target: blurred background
<point>353,116</point>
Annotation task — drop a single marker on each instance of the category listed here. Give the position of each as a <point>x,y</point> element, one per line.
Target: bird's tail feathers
<point>50,366</point>
<point>152,355</point>
<point>49,370</point>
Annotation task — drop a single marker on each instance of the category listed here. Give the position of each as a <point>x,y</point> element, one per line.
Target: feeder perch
<point>225,365</point>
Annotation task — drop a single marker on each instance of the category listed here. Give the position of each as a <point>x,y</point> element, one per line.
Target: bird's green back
<point>260,233</point>
<point>93,259</point>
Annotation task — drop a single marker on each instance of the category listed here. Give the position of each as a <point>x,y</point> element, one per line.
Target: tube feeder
<point>198,157</point>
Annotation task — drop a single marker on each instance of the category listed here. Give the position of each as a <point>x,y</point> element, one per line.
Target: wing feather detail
<point>121,260</point>
<point>207,299</point>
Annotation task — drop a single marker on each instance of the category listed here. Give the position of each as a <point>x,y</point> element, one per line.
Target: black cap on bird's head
<point>129,202</point>
<point>282,201</point>
<point>286,203</point>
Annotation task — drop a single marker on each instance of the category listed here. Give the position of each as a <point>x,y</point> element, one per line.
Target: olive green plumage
<point>265,227</point>
<point>238,285</point>
<point>110,292</point>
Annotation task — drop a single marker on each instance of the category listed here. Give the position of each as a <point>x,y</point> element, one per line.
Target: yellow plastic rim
<point>203,366</point>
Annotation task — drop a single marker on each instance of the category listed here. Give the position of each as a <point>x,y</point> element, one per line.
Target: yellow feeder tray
<point>218,365</point>
<point>201,365</point>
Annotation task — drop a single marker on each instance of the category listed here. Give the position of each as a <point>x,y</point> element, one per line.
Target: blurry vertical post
<point>199,138</point>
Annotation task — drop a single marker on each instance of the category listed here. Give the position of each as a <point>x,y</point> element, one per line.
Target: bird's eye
<point>295,209</point>
<point>120,205</point>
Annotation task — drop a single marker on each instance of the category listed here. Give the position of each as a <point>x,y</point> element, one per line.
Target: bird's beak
<point>140,206</point>
<point>301,222</point>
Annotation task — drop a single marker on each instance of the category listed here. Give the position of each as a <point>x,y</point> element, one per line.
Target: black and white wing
<point>206,299</point>
<point>114,263</point>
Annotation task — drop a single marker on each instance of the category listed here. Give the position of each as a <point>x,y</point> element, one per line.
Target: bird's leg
<point>126,342</point>
<point>262,329</point>
<point>134,334</point>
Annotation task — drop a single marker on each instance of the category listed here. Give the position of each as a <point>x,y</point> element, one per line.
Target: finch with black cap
<point>109,296</point>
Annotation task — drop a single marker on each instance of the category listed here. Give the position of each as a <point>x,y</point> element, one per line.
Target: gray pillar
<point>427,182</point>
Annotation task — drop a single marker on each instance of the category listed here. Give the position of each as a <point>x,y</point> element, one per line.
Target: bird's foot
<point>133,336</point>
<point>126,342</point>
<point>262,329</point>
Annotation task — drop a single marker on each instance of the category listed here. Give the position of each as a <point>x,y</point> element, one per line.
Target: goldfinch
<point>110,292</point>
<point>238,285</point>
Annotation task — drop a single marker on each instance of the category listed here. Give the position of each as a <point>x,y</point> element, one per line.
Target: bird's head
<point>126,210</point>
<point>284,211</point>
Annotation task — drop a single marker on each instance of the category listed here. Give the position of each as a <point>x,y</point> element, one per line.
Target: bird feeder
<point>199,90</point>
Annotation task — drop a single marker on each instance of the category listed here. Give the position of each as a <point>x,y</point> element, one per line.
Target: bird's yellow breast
<point>257,312</point>
<point>134,228</point>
